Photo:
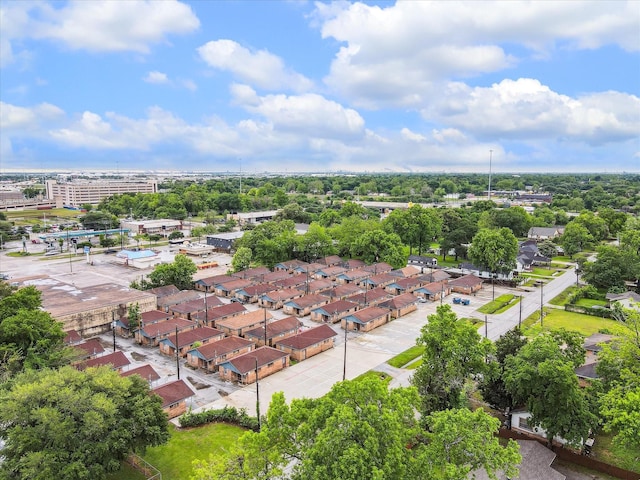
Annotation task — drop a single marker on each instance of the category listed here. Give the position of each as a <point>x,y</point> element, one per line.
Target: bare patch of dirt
<point>198,385</point>
<point>138,357</point>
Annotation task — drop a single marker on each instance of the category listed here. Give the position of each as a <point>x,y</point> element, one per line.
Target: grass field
<point>406,357</point>
<point>577,322</point>
<point>32,217</point>
<point>606,450</point>
<point>561,299</point>
<point>373,374</point>
<point>590,302</point>
<point>500,304</point>
<point>174,459</point>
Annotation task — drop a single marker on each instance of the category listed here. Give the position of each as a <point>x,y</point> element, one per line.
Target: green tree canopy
<point>363,430</point>
<point>69,425</point>
<point>494,250</point>
<point>542,377</point>
<point>453,352</point>
<point>575,238</point>
<point>241,259</point>
<point>179,273</point>
<point>379,246</point>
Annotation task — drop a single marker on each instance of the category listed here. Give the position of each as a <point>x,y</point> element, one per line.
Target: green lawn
<point>174,459</point>
<point>562,298</point>
<point>590,302</point>
<point>556,318</point>
<point>372,373</point>
<point>606,450</point>
<point>500,304</point>
<point>407,356</point>
<point>31,217</point>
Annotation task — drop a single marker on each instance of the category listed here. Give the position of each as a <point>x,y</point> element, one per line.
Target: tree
<point>453,352</point>
<point>69,424</point>
<point>99,221</point>
<point>179,273</point>
<point>294,212</point>
<point>314,244</point>
<point>575,238</point>
<point>492,386</point>
<point>133,315</point>
<point>619,371</point>
<point>379,246</point>
<point>241,259</point>
<point>514,218</point>
<point>175,235</point>
<point>548,248</point>
<point>494,250</point>
<point>612,267</point>
<point>363,429</point>
<point>542,377</point>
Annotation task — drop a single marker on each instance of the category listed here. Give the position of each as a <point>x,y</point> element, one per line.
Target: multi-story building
<point>79,193</point>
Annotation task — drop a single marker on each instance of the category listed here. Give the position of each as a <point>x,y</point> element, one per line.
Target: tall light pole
<point>490,159</point>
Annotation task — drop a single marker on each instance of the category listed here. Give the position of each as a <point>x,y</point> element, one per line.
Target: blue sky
<point>297,86</point>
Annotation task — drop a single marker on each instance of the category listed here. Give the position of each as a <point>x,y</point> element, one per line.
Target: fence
<point>575,458</point>
<point>149,471</point>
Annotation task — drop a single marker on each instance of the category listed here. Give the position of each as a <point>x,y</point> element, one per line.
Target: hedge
<point>227,415</point>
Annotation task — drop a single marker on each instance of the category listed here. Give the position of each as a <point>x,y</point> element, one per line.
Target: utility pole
<point>113,328</point>
<point>177,355</point>
<point>490,158</point>
<point>257,394</point>
<point>344,361</point>
<point>520,317</point>
<point>541,304</point>
<point>486,328</point>
<point>265,326</point>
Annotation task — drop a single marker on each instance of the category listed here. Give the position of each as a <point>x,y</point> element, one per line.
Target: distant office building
<point>160,226</point>
<point>79,193</point>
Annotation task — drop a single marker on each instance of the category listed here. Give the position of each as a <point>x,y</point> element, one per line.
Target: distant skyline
<point>299,86</point>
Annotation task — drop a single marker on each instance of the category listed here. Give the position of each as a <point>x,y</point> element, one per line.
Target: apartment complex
<point>92,192</point>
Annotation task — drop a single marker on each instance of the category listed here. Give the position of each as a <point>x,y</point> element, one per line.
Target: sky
<point>301,86</point>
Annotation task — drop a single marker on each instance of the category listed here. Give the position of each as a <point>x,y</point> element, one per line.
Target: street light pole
<point>113,329</point>
<point>257,394</point>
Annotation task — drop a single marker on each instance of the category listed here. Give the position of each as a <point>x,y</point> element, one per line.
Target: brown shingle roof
<point>466,281</point>
<point>337,307</point>
<point>400,301</point>
<point>222,311</point>
<point>154,316</point>
<point>245,320</point>
<point>308,338</point>
<point>116,359</point>
<point>368,314</point>
<point>346,290</point>
<point>145,371</point>
<point>164,291</point>
<point>195,305</point>
<point>370,296</point>
<point>234,284</point>
<point>308,301</point>
<point>72,337</point>
<point>406,272</point>
<point>168,326</point>
<point>173,392</point>
<point>331,260</point>
<point>180,297</point>
<point>332,271</point>
<point>211,281</point>
<point>247,362</point>
<point>273,277</point>
<point>258,289</point>
<point>281,295</point>
<point>275,328</point>
<point>223,347</point>
<point>191,336</point>
<point>90,347</point>
<point>380,267</point>
<point>255,273</point>
<point>291,281</point>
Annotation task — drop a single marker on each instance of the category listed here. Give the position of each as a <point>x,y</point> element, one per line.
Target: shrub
<point>227,415</point>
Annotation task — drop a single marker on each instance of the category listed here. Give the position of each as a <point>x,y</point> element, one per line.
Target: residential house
<point>275,299</point>
<point>586,372</point>
<point>466,268</point>
<point>276,331</point>
<point>182,296</point>
<point>292,281</point>
<point>185,341</point>
<point>334,312</point>
<point>153,333</point>
<point>208,284</point>
<point>209,317</point>
<point>308,269</point>
<point>252,293</point>
<point>329,273</point>
<point>88,349</point>
<point>379,267</point>
<point>406,272</point>
<point>229,288</point>
<point>209,356</point>
<point>277,276</point>
<point>627,299</point>
<point>467,284</point>
<point>401,305</point>
<point>72,337</point>
<point>154,316</point>
<point>174,397</point>
<point>257,364</point>
<point>520,423</point>
<point>438,275</point>
<point>316,286</point>
<point>302,306</point>
<point>405,285</point>
<point>308,343</point>
<point>545,233</point>
<point>242,323</point>
<point>380,280</point>
<point>433,291</point>
<point>256,274</point>
<point>342,292</point>
<point>116,360</point>
<point>536,464</point>
<point>529,256</point>
<point>187,309</point>
<point>366,319</point>
<point>422,262</point>
<point>353,264</point>
<point>370,297</point>
<point>354,276</point>
<point>289,265</point>
<point>164,291</point>
<point>331,260</point>
<point>145,371</point>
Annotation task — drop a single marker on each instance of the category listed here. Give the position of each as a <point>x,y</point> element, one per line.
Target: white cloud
<point>308,113</point>
<point>97,25</point>
<point>189,84</point>
<point>15,117</point>
<point>399,55</point>
<point>156,77</point>
<point>259,68</point>
<point>525,108</point>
